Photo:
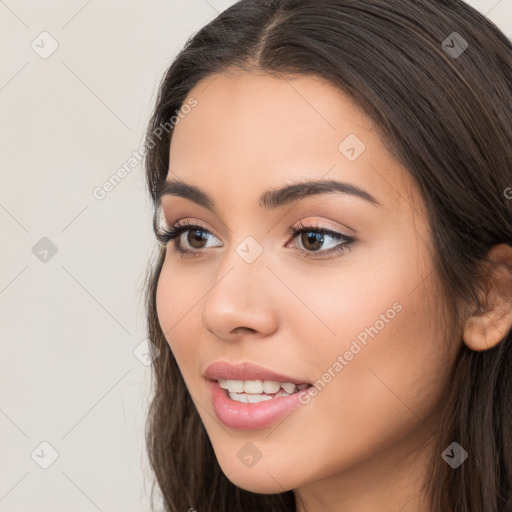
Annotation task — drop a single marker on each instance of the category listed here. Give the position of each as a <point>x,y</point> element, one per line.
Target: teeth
<point>249,399</point>
<point>254,387</point>
<point>271,387</point>
<point>257,387</point>
<point>235,386</point>
<point>288,387</point>
<point>252,391</point>
<point>254,399</point>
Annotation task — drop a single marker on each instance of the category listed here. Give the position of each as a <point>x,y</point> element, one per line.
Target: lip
<point>240,415</point>
<point>249,416</point>
<point>245,371</point>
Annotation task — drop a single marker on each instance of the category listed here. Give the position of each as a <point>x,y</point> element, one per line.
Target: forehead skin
<point>250,132</point>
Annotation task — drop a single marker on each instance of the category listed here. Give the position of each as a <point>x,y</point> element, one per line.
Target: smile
<point>255,391</point>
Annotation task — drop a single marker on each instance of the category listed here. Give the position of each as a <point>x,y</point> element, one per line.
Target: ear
<point>485,329</point>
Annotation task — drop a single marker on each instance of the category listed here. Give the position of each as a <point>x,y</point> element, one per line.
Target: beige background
<point>71,320</point>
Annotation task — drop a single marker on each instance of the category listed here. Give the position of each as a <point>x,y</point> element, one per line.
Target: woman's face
<point>357,321</point>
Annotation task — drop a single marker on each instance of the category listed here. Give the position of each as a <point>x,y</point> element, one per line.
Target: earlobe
<point>485,329</point>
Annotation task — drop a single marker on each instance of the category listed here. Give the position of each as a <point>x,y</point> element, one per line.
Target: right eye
<point>196,236</point>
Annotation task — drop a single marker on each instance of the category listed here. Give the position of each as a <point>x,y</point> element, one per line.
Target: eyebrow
<point>272,198</point>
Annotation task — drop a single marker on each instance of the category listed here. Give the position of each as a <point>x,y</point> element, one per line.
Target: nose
<point>242,300</point>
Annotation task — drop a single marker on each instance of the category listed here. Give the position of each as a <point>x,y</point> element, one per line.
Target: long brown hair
<point>444,111</point>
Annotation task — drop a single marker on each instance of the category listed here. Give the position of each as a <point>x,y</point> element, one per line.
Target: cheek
<point>178,293</point>
<point>382,389</point>
<point>166,299</point>
<point>384,316</point>
<point>175,300</point>
<point>371,341</point>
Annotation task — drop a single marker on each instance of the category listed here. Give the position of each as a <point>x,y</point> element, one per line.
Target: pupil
<point>193,238</point>
<point>312,237</point>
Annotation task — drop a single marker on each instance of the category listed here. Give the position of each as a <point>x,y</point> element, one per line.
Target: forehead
<point>252,131</point>
<point>254,110</point>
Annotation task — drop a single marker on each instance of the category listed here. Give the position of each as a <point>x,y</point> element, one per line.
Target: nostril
<point>241,330</point>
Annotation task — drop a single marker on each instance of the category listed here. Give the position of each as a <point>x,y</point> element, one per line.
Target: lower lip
<point>251,416</point>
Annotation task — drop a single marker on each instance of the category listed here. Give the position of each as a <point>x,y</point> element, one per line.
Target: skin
<point>362,443</point>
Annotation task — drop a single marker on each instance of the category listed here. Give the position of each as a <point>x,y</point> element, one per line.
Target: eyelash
<point>173,233</point>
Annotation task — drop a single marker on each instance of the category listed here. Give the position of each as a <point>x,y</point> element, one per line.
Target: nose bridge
<point>239,297</point>
<point>244,264</point>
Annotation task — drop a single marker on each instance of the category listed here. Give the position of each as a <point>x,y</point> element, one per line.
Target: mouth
<point>248,383</point>
<point>252,411</point>
<point>247,396</point>
<point>255,391</point>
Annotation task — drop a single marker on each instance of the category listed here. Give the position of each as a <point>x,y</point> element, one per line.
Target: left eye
<point>312,238</point>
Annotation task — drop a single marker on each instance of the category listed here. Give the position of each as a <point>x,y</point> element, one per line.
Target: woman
<point>332,297</point>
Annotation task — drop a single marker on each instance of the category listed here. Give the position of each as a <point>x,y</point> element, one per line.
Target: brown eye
<point>196,237</point>
<point>193,242</point>
<point>312,241</point>
<point>318,242</point>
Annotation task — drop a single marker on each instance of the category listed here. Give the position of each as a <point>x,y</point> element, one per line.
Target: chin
<point>261,478</point>
<point>259,483</point>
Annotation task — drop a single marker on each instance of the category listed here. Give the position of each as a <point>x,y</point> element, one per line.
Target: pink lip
<point>245,371</point>
<point>251,416</point>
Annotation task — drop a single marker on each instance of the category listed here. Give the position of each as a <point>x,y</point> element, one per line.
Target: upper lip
<point>245,371</point>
